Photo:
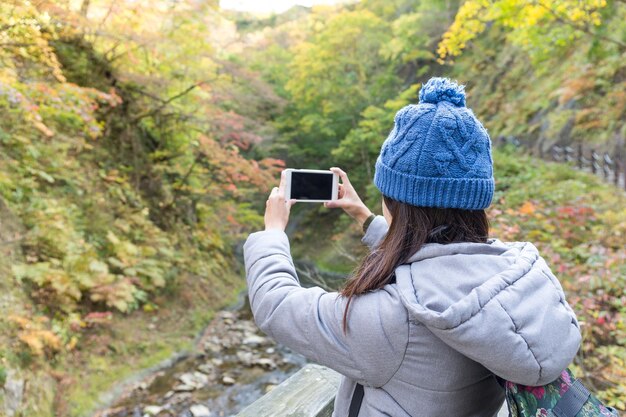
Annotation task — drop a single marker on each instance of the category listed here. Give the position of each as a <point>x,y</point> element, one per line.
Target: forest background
<point>139,140</point>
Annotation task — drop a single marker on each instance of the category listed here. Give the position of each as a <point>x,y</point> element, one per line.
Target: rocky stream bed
<point>234,365</point>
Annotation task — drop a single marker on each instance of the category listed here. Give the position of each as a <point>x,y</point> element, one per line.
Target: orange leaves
<point>43,128</point>
<point>32,334</point>
<point>230,127</point>
<point>576,87</point>
<point>118,294</point>
<point>527,208</point>
<point>98,318</point>
<point>272,163</point>
<point>233,173</point>
<point>40,341</point>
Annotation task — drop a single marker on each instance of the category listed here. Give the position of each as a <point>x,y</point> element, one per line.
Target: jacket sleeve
<point>375,232</point>
<point>309,320</point>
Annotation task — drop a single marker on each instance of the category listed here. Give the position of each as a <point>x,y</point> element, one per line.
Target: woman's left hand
<point>277,208</point>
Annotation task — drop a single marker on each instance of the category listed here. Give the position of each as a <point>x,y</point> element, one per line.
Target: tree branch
<point>183,181</point>
<point>166,102</point>
<point>16,44</point>
<point>584,28</point>
<point>108,13</point>
<point>4,28</point>
<point>145,93</point>
<point>84,8</point>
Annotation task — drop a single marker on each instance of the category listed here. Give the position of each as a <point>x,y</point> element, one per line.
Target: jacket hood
<point>497,303</point>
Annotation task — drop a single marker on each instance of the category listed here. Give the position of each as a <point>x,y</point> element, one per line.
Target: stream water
<point>235,364</point>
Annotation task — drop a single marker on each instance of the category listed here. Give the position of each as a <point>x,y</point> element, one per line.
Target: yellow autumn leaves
<point>26,31</point>
<point>527,22</point>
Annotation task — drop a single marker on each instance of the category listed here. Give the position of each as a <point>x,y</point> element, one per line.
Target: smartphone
<point>311,185</point>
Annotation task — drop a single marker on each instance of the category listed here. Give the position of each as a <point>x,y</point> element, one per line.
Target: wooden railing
<point>310,392</point>
<point>611,167</point>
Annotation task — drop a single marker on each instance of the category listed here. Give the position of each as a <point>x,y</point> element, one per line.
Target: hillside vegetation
<point>139,141</point>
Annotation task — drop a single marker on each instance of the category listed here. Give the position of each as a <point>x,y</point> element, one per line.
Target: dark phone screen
<point>310,186</point>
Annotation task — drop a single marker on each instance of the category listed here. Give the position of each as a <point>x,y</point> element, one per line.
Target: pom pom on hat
<point>439,89</point>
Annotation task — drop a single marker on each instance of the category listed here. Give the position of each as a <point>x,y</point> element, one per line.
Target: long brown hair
<point>411,227</point>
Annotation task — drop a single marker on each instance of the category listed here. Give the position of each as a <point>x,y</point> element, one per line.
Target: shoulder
<point>382,306</point>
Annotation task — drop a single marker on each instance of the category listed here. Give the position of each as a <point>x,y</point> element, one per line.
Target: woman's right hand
<point>348,199</point>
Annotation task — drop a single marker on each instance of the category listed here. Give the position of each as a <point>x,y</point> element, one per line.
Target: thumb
<point>334,204</point>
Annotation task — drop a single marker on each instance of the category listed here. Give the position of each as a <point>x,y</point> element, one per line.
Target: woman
<point>437,308</point>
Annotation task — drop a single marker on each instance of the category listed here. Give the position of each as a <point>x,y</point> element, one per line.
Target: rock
<point>179,398</point>
<point>265,363</point>
<point>228,380</point>
<point>270,350</point>
<point>212,347</point>
<point>269,387</point>
<point>246,326</point>
<point>201,378</point>
<point>195,380</point>
<point>206,368</point>
<point>255,340</point>
<point>217,361</point>
<point>199,410</point>
<point>168,394</point>
<point>226,315</point>
<point>246,358</point>
<point>152,410</point>
<point>13,393</point>
<point>184,388</point>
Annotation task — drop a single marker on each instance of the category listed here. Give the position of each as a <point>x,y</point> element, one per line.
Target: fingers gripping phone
<point>311,185</point>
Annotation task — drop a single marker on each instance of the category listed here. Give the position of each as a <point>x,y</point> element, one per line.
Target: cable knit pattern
<point>438,154</point>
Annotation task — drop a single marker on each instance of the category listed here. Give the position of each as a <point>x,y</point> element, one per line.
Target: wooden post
<point>606,167</point>
<point>580,156</point>
<point>594,159</point>
<point>617,172</point>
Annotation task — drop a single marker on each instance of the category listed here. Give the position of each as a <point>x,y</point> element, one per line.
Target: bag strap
<point>357,399</point>
<point>572,401</point>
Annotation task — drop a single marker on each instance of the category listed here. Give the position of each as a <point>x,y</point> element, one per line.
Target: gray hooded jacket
<point>428,344</point>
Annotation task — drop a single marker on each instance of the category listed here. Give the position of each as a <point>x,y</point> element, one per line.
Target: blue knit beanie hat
<point>438,154</point>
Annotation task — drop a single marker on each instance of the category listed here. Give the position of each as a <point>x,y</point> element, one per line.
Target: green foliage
<point>137,144</point>
<point>548,71</point>
<point>358,151</point>
<point>3,375</point>
<point>573,92</point>
<point>332,78</point>
<point>410,41</point>
<point>122,189</point>
<point>25,35</point>
<point>579,225</point>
